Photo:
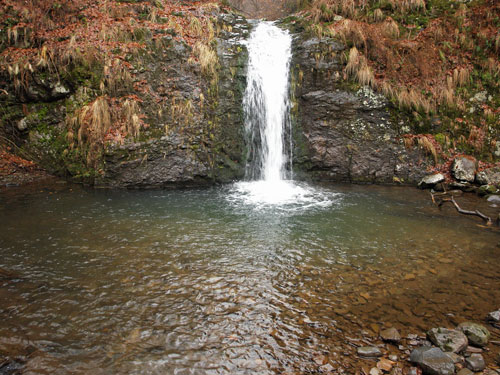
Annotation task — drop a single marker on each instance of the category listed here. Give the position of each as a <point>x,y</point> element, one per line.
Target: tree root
<point>440,202</point>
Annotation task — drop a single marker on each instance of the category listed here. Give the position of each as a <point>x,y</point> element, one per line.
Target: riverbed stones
<point>432,361</point>
<point>476,333</point>
<point>390,335</point>
<point>475,362</point>
<point>369,351</point>
<point>464,168</point>
<point>431,180</point>
<point>449,340</point>
<point>465,371</point>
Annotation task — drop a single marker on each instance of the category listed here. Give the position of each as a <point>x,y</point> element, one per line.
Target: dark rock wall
<point>343,132</point>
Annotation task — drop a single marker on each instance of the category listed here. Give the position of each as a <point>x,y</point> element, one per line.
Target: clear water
<point>197,282</point>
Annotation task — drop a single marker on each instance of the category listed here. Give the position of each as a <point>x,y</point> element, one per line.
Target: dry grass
<point>390,28</point>
<point>428,147</point>
<point>207,57</point>
<point>357,67</point>
<point>378,15</point>
<point>410,98</point>
<point>130,112</point>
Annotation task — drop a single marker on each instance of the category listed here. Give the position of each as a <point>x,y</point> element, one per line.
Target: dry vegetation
<point>91,42</point>
<point>430,57</point>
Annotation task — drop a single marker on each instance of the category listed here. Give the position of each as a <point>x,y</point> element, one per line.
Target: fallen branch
<point>459,209</point>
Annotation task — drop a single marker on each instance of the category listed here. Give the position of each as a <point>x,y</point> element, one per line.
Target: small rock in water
<point>449,340</point>
<point>473,349</point>
<point>369,351</point>
<point>393,357</point>
<point>432,361</point>
<point>385,364</point>
<point>455,357</point>
<point>413,371</point>
<point>391,335</point>
<point>476,333</point>
<point>465,371</point>
<point>374,371</point>
<point>475,362</point>
<point>431,180</point>
<point>494,316</point>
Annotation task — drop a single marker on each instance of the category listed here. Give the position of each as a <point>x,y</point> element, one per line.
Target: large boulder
<point>449,340</point>
<point>432,361</point>
<point>476,333</point>
<point>464,168</point>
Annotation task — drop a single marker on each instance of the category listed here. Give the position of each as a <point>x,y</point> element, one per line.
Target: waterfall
<point>267,120</point>
<point>266,104</point>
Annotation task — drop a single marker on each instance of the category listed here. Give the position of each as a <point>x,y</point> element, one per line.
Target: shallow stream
<point>209,282</point>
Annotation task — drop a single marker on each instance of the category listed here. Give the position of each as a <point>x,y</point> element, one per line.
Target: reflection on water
<point>193,282</point>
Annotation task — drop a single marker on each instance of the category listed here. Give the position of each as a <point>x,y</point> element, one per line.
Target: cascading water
<point>267,114</point>
<point>266,103</point>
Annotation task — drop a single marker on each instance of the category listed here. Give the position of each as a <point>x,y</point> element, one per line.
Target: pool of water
<point>209,282</point>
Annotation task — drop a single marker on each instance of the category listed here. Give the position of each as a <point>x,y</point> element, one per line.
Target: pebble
<point>391,335</point>
<point>385,365</point>
<point>374,371</point>
<point>475,362</point>
<point>369,351</point>
<point>393,357</point>
<point>465,371</point>
<point>473,349</point>
<point>494,316</point>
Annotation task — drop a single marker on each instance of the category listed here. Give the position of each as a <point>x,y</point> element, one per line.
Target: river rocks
<point>430,181</point>
<point>464,168</point>
<point>489,176</point>
<point>432,361</point>
<point>494,316</point>
<point>449,340</point>
<point>475,362</point>
<point>476,333</point>
<point>369,351</point>
<point>465,371</point>
<point>390,335</point>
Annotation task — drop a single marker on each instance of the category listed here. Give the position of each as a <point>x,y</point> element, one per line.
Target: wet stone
<point>476,333</point>
<point>369,351</point>
<point>432,361</point>
<point>475,362</point>
<point>391,335</point>
<point>449,340</point>
<point>494,316</point>
<point>465,371</point>
<point>413,371</point>
<point>430,180</point>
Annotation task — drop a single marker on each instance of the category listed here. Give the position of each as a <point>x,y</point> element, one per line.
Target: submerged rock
<point>369,351</point>
<point>449,340</point>
<point>432,361</point>
<point>391,335</point>
<point>430,181</point>
<point>475,362</point>
<point>476,333</point>
<point>464,168</point>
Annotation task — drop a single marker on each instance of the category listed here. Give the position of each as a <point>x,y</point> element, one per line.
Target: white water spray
<point>267,121</point>
<point>266,102</point>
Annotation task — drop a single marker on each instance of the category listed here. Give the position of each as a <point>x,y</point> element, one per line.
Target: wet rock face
<point>343,133</point>
<point>197,145</point>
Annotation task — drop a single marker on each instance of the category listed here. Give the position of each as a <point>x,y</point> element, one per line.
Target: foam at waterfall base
<point>282,194</point>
